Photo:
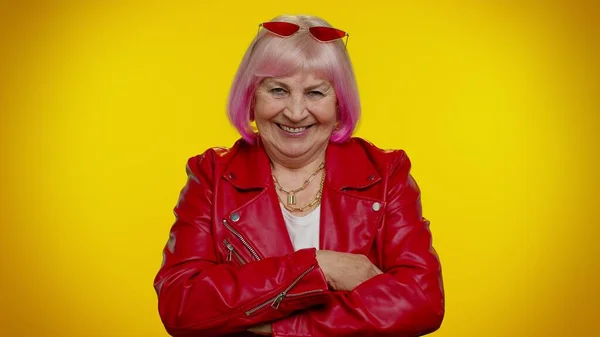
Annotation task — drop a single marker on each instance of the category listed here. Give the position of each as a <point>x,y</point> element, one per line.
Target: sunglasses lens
<point>281,28</point>
<point>326,34</point>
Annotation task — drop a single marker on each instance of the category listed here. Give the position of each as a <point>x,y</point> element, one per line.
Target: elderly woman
<point>299,229</point>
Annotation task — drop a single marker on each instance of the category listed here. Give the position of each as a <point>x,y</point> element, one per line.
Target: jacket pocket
<point>232,255</point>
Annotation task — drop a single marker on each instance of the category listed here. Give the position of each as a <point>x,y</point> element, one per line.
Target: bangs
<point>282,57</point>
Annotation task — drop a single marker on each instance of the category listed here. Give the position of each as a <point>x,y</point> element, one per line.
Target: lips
<point>293,129</point>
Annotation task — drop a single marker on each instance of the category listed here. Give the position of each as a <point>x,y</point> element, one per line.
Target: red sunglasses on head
<point>321,33</point>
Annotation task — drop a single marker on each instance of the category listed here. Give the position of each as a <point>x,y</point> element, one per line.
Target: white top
<point>303,230</point>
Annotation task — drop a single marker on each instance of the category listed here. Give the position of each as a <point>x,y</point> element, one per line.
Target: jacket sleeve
<point>407,299</point>
<point>199,297</point>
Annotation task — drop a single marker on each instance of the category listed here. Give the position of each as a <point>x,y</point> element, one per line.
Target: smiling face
<point>295,116</point>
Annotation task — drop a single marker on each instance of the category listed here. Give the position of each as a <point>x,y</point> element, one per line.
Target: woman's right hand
<point>345,271</point>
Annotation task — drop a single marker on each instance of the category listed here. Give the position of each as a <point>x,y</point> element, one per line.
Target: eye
<point>278,91</point>
<point>315,93</point>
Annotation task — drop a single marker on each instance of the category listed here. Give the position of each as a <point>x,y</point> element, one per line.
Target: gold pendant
<point>291,199</point>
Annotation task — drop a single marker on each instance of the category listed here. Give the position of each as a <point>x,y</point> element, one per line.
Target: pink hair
<point>272,56</point>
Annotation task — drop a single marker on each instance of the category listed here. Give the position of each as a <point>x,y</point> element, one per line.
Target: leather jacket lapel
<point>250,203</point>
<point>351,208</point>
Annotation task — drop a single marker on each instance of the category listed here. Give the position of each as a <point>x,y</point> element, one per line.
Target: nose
<point>296,110</point>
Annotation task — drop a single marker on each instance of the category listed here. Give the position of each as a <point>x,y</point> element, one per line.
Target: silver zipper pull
<point>230,248</point>
<point>278,300</point>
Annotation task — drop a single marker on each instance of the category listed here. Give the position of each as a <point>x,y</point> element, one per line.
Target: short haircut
<point>272,56</point>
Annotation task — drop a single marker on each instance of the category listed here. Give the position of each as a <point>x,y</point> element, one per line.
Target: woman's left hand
<point>264,330</point>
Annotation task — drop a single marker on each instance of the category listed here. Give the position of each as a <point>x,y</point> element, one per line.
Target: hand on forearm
<point>345,271</point>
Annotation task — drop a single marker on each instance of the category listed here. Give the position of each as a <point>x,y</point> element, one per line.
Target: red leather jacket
<point>229,264</point>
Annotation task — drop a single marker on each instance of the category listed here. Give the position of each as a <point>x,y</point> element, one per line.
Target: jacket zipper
<point>304,293</point>
<point>276,301</point>
<point>244,242</point>
<point>232,251</point>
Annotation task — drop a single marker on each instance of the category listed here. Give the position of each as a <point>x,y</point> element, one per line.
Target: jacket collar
<point>347,166</point>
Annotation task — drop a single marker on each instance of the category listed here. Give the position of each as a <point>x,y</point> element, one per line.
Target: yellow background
<point>495,102</point>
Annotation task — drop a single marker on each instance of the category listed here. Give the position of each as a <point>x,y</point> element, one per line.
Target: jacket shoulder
<point>387,161</point>
<point>394,166</point>
<point>213,158</point>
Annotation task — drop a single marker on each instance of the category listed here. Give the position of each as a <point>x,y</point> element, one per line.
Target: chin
<point>294,150</point>
<point>295,153</point>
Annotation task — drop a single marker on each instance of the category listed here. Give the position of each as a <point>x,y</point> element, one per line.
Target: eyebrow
<point>309,88</point>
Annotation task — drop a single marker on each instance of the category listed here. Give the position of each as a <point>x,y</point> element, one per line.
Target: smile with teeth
<point>293,130</point>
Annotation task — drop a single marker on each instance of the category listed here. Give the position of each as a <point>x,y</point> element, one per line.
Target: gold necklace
<point>291,195</point>
<point>311,204</point>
